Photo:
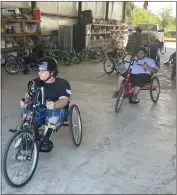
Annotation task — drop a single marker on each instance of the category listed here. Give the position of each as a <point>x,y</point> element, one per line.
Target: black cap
<point>49,63</point>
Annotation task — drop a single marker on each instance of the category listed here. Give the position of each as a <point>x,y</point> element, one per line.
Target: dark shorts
<point>139,80</point>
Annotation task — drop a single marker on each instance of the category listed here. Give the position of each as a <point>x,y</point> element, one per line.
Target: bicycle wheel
<point>75,125</point>
<point>163,50</point>
<point>76,59</point>
<point>158,60</point>
<point>126,58</point>
<point>9,58</point>
<point>108,66</point>
<point>96,56</point>
<point>66,59</point>
<point>34,62</point>
<point>120,98</point>
<point>155,87</point>
<point>27,152</point>
<point>12,67</point>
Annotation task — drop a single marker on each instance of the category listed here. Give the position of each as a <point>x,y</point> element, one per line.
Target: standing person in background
<point>135,42</point>
<point>138,41</point>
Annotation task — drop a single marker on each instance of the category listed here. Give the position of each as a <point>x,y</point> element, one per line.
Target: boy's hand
<point>23,104</point>
<point>50,105</point>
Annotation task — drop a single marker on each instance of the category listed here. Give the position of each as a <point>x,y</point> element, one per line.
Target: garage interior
<point>133,151</point>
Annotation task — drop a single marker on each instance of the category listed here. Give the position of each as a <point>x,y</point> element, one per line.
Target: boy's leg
<point>56,118</point>
<point>138,81</point>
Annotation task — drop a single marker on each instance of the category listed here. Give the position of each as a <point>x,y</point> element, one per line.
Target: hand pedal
<point>12,130</point>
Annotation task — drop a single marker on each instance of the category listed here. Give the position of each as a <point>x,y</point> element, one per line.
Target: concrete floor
<point>133,151</point>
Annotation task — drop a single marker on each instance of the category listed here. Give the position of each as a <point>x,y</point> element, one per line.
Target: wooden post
<point>107,10</point>
<point>79,12</point>
<point>124,11</point>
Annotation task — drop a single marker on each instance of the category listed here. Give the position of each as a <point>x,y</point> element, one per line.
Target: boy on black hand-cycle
<point>141,72</point>
<point>57,94</point>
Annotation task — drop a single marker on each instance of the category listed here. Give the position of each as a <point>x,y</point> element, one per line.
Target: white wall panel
<point>47,6</point>
<point>15,4</point>
<point>64,8</point>
<point>116,10</point>
<point>98,8</point>
<point>50,23</point>
<point>68,8</point>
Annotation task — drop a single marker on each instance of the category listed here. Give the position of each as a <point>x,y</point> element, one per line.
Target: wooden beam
<point>33,5</point>
<point>107,10</point>
<point>58,15</point>
<point>124,10</point>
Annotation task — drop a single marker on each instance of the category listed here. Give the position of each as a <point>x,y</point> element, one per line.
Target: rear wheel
<point>96,56</point>
<point>66,59</point>
<point>13,66</point>
<point>75,125</point>
<point>25,156</point>
<point>155,89</point>
<point>120,98</point>
<point>158,60</point>
<point>163,49</point>
<point>108,66</point>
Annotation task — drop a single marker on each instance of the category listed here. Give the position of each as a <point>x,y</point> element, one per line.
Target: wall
<point>116,10</point>
<point>52,23</point>
<point>65,8</point>
<point>69,8</point>
<point>98,8</point>
<point>14,4</point>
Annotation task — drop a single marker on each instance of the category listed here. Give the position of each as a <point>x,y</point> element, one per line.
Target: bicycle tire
<point>16,64</point>
<point>120,98</point>
<point>104,67</point>
<point>71,126</point>
<point>10,183</point>
<point>165,49</point>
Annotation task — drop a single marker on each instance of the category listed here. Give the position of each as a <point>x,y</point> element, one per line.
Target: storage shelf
<point>95,33</point>
<point>19,34</point>
<point>15,48</point>
<point>105,25</point>
<point>19,20</point>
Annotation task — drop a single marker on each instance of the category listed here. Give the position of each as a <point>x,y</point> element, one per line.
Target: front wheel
<point>75,125</point>
<point>155,89</point>
<point>26,152</point>
<point>120,98</point>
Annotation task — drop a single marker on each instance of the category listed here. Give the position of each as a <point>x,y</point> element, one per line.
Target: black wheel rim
<point>155,89</point>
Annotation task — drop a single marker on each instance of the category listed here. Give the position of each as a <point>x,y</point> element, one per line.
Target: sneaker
<point>134,100</point>
<point>115,94</point>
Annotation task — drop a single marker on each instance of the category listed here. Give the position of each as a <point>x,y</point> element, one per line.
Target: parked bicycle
<point>15,63</point>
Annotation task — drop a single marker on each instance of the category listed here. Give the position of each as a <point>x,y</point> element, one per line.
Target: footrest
<point>12,130</point>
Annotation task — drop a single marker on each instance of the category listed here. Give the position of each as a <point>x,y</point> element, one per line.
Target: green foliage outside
<point>136,15</point>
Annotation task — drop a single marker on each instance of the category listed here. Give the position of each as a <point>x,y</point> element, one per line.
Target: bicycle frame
<point>128,86</point>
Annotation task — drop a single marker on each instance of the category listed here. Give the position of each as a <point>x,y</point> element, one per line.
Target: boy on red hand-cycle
<point>141,72</point>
